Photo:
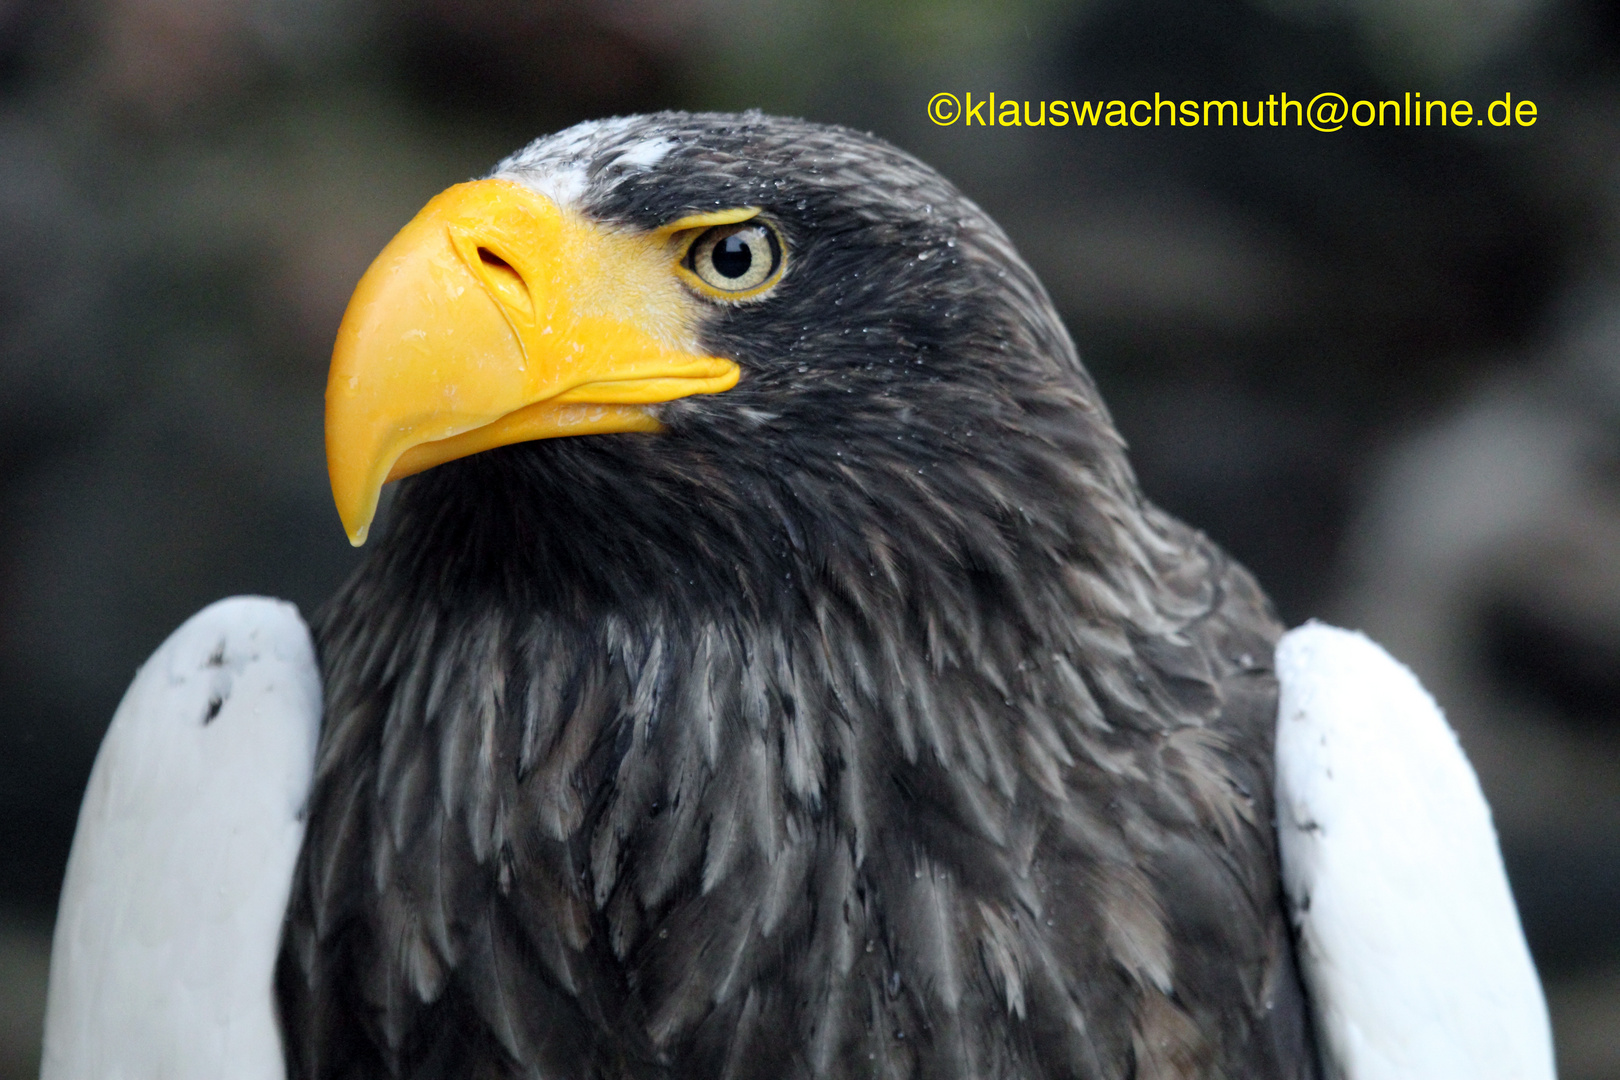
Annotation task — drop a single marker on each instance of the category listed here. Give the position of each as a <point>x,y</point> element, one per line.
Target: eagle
<point>768,666</point>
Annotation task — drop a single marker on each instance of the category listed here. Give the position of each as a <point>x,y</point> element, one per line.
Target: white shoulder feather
<point>1409,940</point>
<point>171,910</point>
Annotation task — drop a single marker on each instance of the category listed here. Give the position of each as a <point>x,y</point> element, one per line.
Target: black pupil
<point>733,256</point>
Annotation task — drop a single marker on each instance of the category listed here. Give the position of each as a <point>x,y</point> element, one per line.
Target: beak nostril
<point>494,261</point>
<point>506,282</point>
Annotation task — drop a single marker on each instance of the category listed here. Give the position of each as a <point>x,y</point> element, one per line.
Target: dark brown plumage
<point>867,722</point>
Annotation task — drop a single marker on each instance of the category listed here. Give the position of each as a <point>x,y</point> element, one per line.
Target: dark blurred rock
<point>1486,555</point>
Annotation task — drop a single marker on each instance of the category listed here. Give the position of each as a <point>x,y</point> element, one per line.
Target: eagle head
<point>815,357</point>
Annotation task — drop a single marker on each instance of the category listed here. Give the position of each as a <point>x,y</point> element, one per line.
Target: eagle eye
<point>737,261</point>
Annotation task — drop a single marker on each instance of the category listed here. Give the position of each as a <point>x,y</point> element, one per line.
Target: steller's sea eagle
<point>830,703</point>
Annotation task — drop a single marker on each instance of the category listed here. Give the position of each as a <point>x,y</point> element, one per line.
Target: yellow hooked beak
<point>496,317</point>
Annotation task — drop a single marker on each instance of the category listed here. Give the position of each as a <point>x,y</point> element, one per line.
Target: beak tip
<point>356,525</point>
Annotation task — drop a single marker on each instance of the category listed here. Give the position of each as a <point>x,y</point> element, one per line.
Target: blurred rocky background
<point>1382,366</point>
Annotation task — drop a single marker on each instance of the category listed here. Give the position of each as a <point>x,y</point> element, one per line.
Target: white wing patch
<point>171,910</point>
<point>1410,943</point>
